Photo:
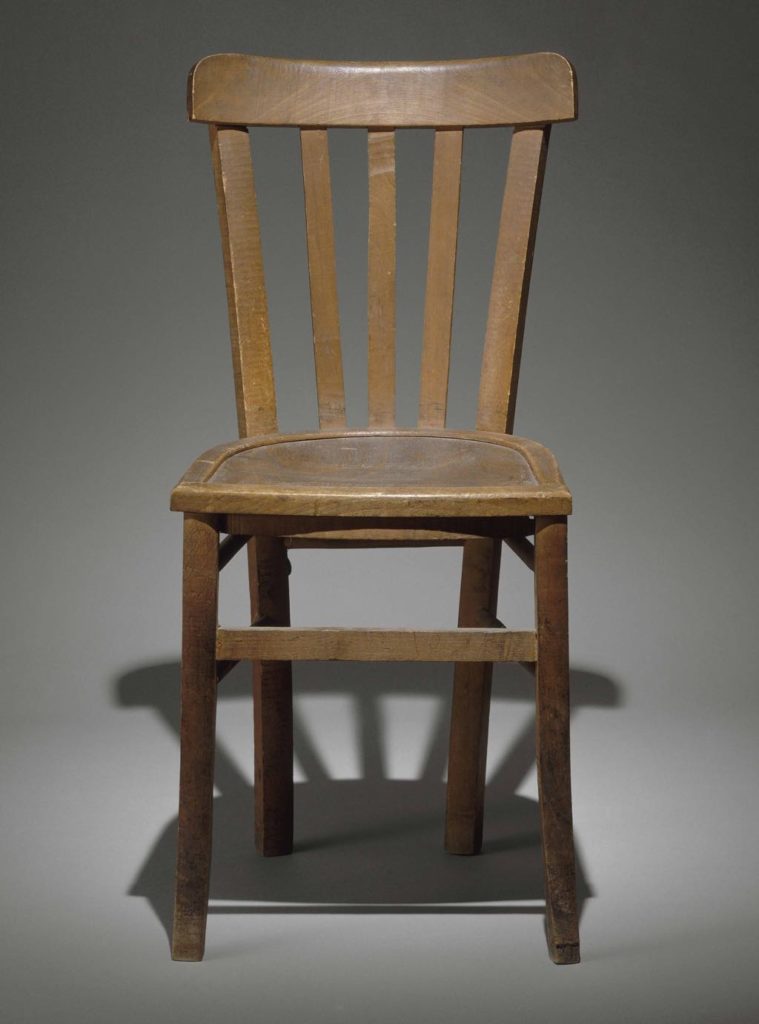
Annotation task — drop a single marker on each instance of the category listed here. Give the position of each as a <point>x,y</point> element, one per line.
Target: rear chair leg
<point>197,735</point>
<point>471,704</point>
<point>554,782</point>
<point>272,702</point>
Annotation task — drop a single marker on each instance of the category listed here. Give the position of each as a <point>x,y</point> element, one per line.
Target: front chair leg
<point>470,707</point>
<point>554,782</point>
<point>272,702</point>
<point>200,587</point>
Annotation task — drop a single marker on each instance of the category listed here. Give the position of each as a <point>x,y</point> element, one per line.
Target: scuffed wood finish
<point>381,285</point>
<point>322,276</point>
<point>364,473</point>
<point>441,273</point>
<point>367,503</point>
<point>272,702</point>
<point>511,278</point>
<point>554,780</point>
<point>234,88</point>
<point>244,273</point>
<point>197,736</point>
<point>470,707</point>
<point>542,462</point>
<point>323,643</point>
<point>378,486</point>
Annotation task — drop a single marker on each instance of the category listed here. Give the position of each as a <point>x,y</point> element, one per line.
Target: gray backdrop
<point>639,372</point>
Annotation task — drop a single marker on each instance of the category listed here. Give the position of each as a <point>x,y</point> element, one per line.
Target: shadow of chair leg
<point>364,845</point>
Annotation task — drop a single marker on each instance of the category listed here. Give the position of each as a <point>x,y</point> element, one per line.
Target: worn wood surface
<point>531,88</point>
<point>470,706</point>
<point>197,736</point>
<point>323,643</point>
<point>511,279</point>
<point>244,273</point>
<point>554,780</point>
<point>272,702</point>
<point>441,274</point>
<point>381,284</point>
<point>378,486</point>
<point>322,276</point>
<point>395,473</point>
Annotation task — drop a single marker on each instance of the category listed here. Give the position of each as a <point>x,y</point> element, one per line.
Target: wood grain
<point>244,273</point>
<point>233,88</point>
<point>511,279</point>
<point>379,486</point>
<point>387,473</point>
<point>554,777</point>
<point>368,503</point>
<point>322,276</point>
<point>441,274</point>
<point>381,285</point>
<point>470,706</point>
<point>321,643</point>
<point>197,736</point>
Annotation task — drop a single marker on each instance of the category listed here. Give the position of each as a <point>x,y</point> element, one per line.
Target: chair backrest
<point>233,91</point>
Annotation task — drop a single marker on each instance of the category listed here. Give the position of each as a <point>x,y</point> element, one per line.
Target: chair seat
<point>411,473</point>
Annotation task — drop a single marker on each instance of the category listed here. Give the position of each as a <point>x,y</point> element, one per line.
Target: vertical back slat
<point>511,276</point>
<point>322,276</point>
<point>244,273</point>
<point>441,272</point>
<point>381,293</point>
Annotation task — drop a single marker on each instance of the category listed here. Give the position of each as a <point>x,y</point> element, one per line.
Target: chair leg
<point>197,735</point>
<point>554,781</point>
<point>471,704</point>
<point>272,702</point>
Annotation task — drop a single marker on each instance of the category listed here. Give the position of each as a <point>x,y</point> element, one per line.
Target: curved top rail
<point>532,88</point>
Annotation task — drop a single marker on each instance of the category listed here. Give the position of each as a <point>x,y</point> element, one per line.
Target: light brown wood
<point>363,473</point>
<point>322,643</point>
<point>381,287</point>
<point>552,719</point>
<point>379,486</point>
<point>441,273</point>
<point>511,278</point>
<point>197,736</point>
<point>234,88</point>
<point>272,702</point>
<point>244,272</point>
<point>470,707</point>
<point>322,275</point>
<point>541,461</point>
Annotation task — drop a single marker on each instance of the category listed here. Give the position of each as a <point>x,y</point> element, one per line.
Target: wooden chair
<point>382,485</point>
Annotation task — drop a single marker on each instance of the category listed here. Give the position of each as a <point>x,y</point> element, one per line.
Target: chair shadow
<point>368,845</point>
